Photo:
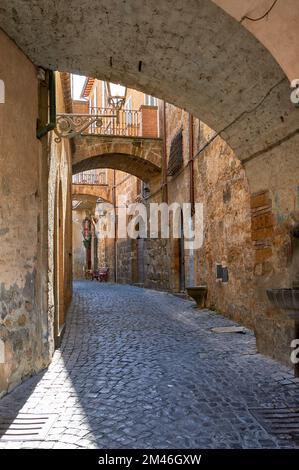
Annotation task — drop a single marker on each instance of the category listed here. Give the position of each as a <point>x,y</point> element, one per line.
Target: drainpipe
<point>42,131</point>
<point>115,226</point>
<point>164,167</point>
<point>192,200</point>
<point>191,162</point>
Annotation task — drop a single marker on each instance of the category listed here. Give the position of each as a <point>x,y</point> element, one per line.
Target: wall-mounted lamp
<point>116,96</point>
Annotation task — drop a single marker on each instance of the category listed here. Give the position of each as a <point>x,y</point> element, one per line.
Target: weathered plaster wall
<point>249,210</point>
<point>275,173</point>
<point>278,30</point>
<point>23,302</point>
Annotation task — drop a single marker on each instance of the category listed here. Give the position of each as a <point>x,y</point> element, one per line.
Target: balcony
<point>90,177</point>
<point>90,185</point>
<point>106,122</point>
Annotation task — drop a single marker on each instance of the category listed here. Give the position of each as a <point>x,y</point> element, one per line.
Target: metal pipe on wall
<point>164,167</point>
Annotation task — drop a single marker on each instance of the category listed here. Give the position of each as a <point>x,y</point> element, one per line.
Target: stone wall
<point>222,187</point>
<point>248,212</point>
<point>274,181</point>
<point>125,186</point>
<point>247,221</point>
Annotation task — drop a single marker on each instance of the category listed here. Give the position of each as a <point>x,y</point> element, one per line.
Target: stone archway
<point>197,57</point>
<point>91,191</point>
<point>141,157</point>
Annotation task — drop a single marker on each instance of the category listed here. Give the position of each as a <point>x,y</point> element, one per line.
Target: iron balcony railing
<point>99,121</point>
<point>90,177</point>
<point>126,123</point>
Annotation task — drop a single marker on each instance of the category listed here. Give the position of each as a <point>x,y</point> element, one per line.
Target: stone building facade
<point>239,231</point>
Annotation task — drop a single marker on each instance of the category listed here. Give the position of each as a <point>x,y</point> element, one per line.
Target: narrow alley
<point>142,369</point>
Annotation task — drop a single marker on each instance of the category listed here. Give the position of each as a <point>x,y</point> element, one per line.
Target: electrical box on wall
<point>221,273</point>
<point>2,92</point>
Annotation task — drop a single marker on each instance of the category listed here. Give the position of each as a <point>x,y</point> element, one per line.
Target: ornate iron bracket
<point>70,125</point>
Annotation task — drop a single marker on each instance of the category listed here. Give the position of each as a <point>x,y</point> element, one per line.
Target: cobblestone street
<point>142,369</point>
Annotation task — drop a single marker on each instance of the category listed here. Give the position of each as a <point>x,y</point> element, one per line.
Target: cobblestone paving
<point>142,369</point>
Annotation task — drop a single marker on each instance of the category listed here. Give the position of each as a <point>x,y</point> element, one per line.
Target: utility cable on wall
<point>245,17</point>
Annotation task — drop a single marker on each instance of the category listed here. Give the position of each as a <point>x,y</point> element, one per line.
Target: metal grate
<point>176,154</point>
<point>282,421</point>
<point>26,426</point>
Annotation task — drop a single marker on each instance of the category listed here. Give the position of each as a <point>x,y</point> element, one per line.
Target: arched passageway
<point>86,191</point>
<point>139,157</point>
<point>193,55</point>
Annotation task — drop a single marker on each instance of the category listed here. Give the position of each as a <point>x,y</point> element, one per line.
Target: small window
<point>128,114</point>
<point>103,95</point>
<point>103,178</point>
<point>150,100</point>
<point>219,272</point>
<point>176,154</point>
<point>95,98</point>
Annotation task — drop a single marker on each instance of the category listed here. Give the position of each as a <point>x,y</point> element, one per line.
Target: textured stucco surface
<point>194,55</point>
<point>28,169</point>
<point>277,31</point>
<point>23,322</point>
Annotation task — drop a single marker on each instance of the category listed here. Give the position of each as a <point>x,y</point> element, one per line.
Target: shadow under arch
<point>86,191</point>
<point>143,169</point>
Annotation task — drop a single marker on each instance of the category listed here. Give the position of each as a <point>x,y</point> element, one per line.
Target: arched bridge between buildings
<point>138,156</point>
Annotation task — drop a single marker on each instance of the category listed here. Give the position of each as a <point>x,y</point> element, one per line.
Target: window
<point>103,177</point>
<point>95,98</point>
<point>150,100</point>
<point>103,95</point>
<point>128,115</point>
<point>176,154</point>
